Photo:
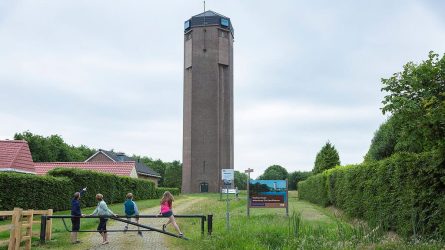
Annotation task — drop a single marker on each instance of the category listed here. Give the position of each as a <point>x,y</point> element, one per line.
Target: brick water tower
<point>208,101</point>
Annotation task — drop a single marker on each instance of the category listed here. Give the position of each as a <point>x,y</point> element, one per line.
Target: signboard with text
<point>268,194</point>
<point>227,176</point>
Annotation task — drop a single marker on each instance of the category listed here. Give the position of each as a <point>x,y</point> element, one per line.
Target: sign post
<point>228,175</point>
<point>248,171</point>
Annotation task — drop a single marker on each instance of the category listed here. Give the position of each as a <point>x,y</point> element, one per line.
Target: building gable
<point>100,156</point>
<point>15,156</point>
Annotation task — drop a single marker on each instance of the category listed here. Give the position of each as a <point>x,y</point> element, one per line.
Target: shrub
<point>114,188</point>
<point>405,192</point>
<point>314,189</point>
<point>29,191</point>
<point>56,189</point>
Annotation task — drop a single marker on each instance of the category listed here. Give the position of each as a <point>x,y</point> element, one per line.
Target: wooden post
<point>28,226</point>
<point>49,225</point>
<point>15,223</point>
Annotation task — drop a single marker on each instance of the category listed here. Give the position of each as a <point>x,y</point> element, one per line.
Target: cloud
<point>110,75</point>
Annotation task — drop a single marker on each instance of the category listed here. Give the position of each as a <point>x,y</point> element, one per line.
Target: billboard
<point>268,194</point>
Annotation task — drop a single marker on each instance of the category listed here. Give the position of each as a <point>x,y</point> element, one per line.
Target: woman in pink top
<point>166,211</point>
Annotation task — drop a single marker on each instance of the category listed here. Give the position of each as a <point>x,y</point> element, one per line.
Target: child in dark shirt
<point>75,211</point>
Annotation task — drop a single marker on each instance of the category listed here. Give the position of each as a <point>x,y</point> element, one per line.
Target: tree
<point>53,148</point>
<point>327,158</point>
<point>296,177</point>
<point>173,175</point>
<point>384,142</point>
<point>416,99</point>
<point>158,166</point>
<point>274,172</point>
<point>240,180</point>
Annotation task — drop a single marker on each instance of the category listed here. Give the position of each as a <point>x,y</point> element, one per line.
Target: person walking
<point>166,211</point>
<point>102,210</point>
<point>131,210</point>
<point>75,211</point>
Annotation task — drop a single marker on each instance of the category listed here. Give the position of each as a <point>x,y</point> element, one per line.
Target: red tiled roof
<point>117,168</point>
<point>15,156</point>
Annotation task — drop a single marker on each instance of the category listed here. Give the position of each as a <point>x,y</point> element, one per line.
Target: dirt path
<point>130,240</point>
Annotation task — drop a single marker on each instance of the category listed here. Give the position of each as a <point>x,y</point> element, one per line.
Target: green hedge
<point>405,192</point>
<point>34,192</point>
<point>314,189</point>
<point>114,188</point>
<point>56,189</point>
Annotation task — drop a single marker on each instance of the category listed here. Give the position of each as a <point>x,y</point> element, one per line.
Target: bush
<point>56,189</point>
<point>114,188</point>
<point>29,191</point>
<point>313,189</point>
<point>405,192</point>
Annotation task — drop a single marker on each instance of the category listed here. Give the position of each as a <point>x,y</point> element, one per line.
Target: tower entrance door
<point>203,187</point>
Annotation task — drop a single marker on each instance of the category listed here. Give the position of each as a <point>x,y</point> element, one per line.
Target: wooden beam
<point>6,213</point>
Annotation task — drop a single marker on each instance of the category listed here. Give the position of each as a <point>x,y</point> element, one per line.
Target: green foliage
<point>56,189</point>
<point>274,172</point>
<point>173,175</point>
<point>314,189</point>
<point>416,98</point>
<point>327,158</point>
<point>160,167</point>
<point>296,177</point>
<point>113,187</point>
<point>53,148</point>
<point>29,191</point>
<point>384,142</point>
<point>404,193</point>
<point>240,180</point>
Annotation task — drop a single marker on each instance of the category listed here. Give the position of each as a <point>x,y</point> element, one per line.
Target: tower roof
<point>209,13</point>
<point>208,18</point>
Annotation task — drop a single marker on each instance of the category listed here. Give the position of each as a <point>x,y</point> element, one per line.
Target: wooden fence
<point>24,219</point>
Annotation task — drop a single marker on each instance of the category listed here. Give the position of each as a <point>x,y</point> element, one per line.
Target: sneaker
<point>105,242</point>
<point>140,233</point>
<point>163,227</point>
<point>181,235</point>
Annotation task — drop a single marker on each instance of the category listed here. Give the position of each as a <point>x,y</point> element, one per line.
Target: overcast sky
<point>109,74</point>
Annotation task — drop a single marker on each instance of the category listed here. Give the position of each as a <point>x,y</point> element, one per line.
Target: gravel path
<point>131,240</point>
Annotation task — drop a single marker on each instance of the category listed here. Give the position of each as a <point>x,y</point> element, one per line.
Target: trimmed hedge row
<point>31,191</point>
<point>56,189</point>
<point>113,187</point>
<point>405,192</point>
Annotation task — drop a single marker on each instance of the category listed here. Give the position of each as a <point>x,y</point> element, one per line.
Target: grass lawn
<point>307,227</point>
<point>60,237</point>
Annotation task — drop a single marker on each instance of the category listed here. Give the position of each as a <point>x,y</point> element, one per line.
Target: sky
<point>109,74</point>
